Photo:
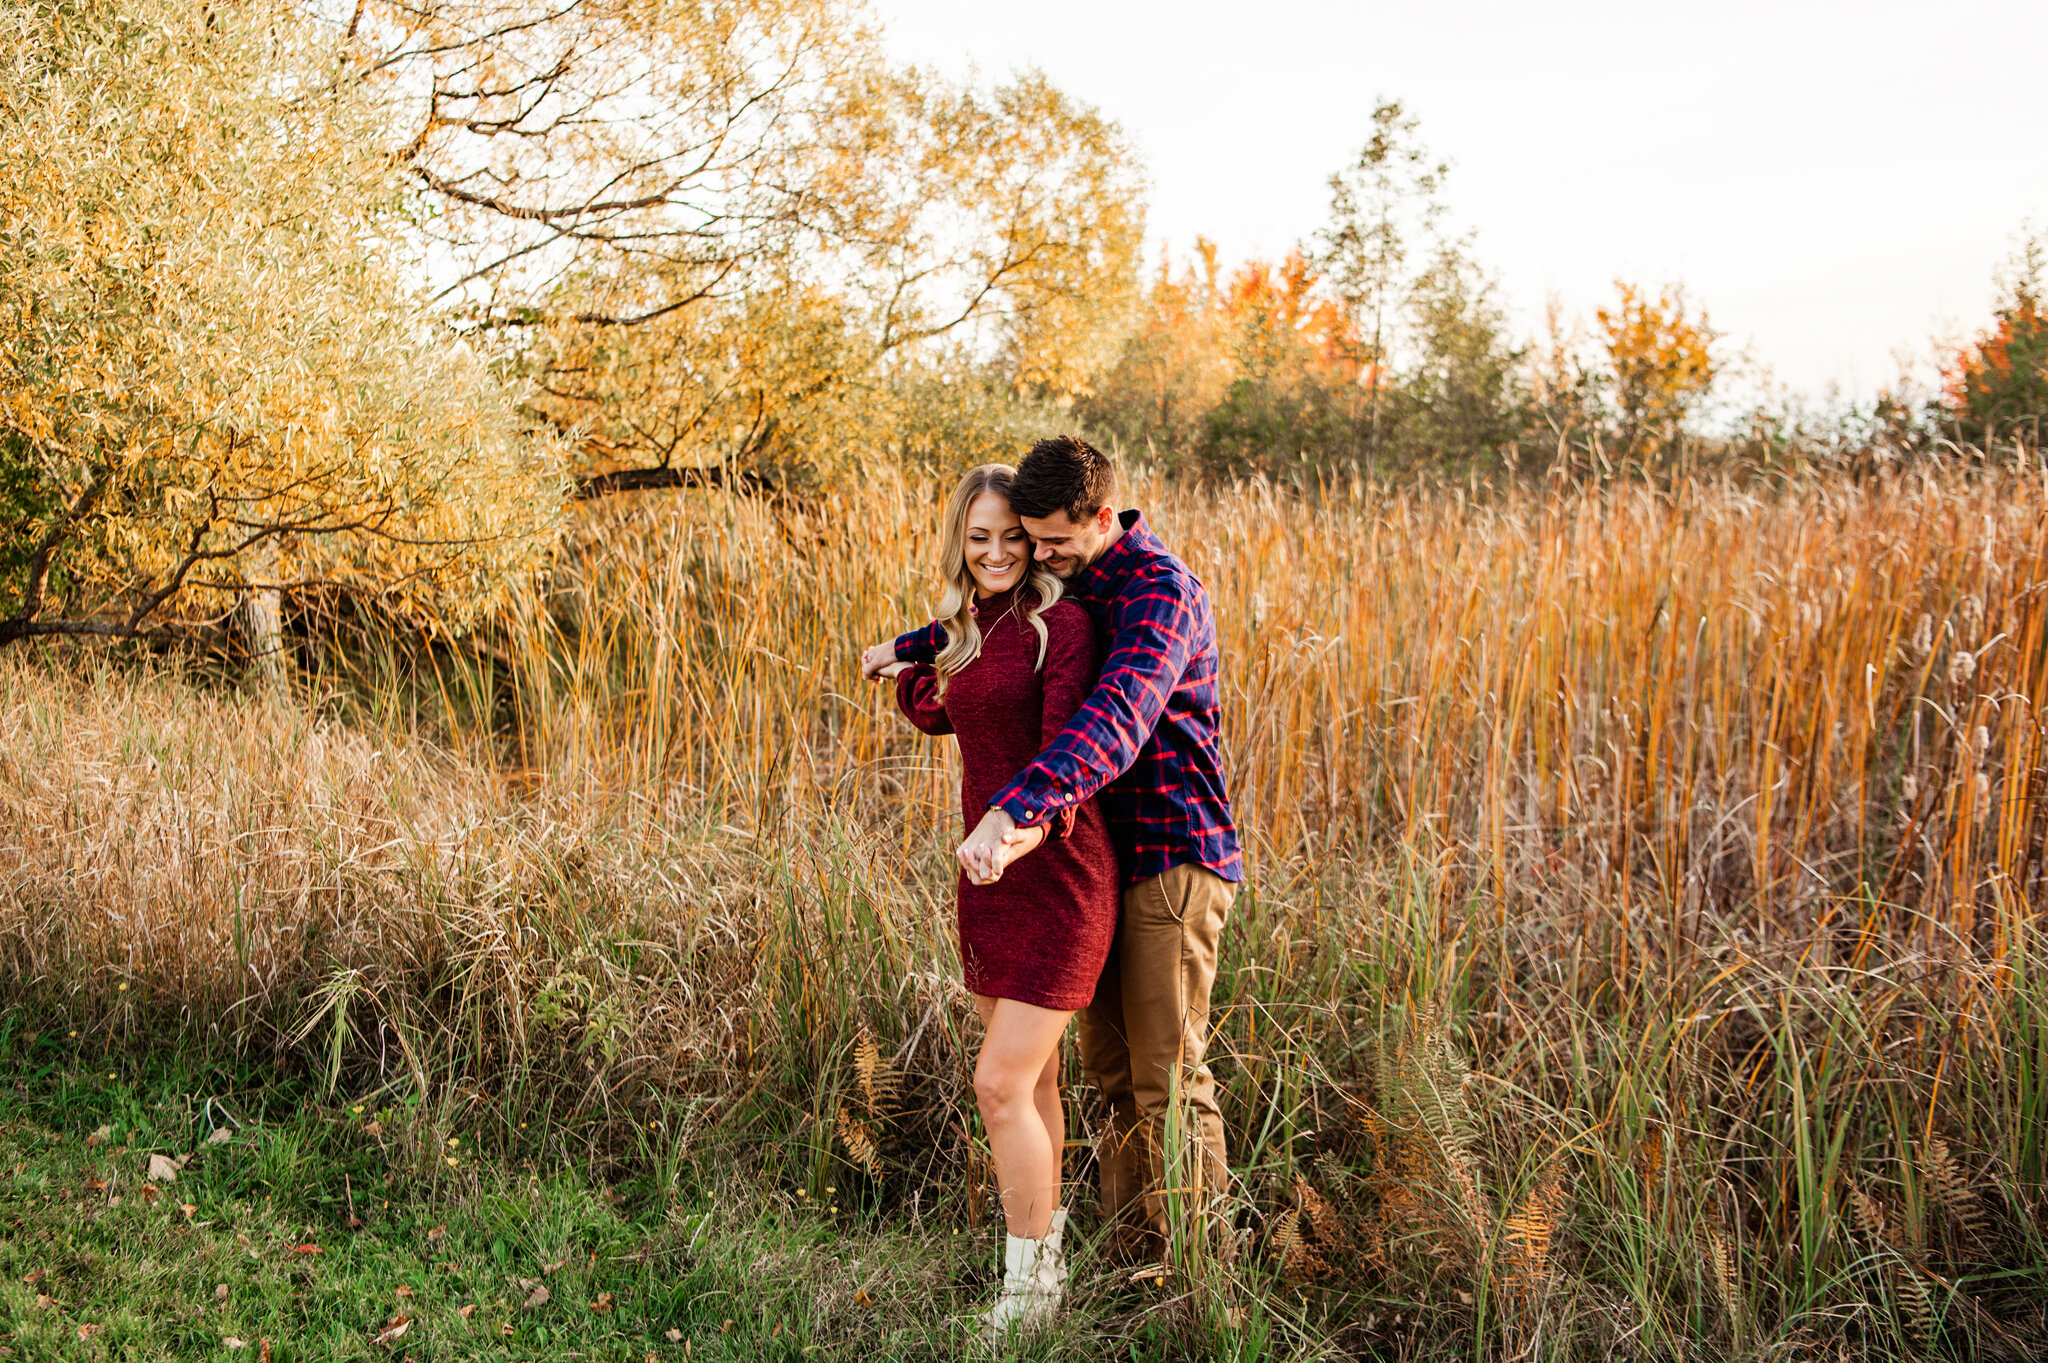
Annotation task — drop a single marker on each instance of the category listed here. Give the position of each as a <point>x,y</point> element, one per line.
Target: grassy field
<point>1638,960</point>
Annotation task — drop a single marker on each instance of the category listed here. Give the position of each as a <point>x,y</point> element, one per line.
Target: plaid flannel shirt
<point>1146,737</point>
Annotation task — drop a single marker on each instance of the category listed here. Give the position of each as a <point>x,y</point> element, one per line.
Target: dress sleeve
<point>917,696</point>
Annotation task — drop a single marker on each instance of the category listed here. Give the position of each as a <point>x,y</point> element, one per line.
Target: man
<point>1146,741</point>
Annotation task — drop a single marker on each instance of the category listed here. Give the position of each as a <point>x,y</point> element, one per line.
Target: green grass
<point>267,1251</point>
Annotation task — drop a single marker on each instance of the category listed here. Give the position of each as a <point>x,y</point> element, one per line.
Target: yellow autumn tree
<point>723,231</point>
<point>1662,360</point>
<point>215,381</point>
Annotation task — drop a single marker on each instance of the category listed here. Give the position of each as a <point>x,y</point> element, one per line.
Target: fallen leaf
<point>88,1331</point>
<point>44,1301</point>
<point>506,1329</point>
<point>99,1137</point>
<point>672,1335</point>
<point>221,1136</point>
<point>95,1185</point>
<point>466,1311</point>
<point>220,1293</point>
<point>373,1128</point>
<point>861,1298</point>
<point>393,1328</point>
<point>538,1299</point>
<point>33,1278</point>
<point>150,1193</point>
<point>307,1249</point>
<point>603,1304</point>
<point>230,1342</point>
<point>403,1290</point>
<point>188,1208</point>
<point>434,1235</point>
<point>162,1170</point>
<point>526,1284</point>
<point>263,1355</point>
<point>550,1268</point>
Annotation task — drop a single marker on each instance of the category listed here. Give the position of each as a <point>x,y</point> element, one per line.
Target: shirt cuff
<point>1021,809</point>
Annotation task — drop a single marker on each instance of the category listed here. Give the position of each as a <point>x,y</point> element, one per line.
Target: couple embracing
<point>1075,662</point>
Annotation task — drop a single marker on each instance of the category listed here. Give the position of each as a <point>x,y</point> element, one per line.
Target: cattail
<point>1962,665</point>
<point>1923,635</point>
<point>1971,608</point>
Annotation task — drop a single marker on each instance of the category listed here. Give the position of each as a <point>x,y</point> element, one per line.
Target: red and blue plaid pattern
<point>1146,738</point>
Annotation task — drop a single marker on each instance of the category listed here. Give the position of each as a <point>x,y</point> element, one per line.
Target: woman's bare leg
<point>1015,1083</point>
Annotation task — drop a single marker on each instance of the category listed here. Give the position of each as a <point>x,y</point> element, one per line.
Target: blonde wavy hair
<point>963,631</point>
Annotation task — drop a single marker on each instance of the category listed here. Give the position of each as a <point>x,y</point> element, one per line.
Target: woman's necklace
<point>974,609</point>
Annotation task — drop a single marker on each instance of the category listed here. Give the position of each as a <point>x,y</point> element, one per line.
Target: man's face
<point>1066,546</point>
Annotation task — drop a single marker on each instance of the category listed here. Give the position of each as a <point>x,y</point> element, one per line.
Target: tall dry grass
<point>1638,955</point>
<point>1707,701</point>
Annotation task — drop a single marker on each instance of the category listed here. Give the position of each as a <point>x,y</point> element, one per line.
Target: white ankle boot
<point>1034,1280</point>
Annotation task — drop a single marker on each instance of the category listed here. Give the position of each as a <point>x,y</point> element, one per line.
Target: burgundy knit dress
<point>1040,934</point>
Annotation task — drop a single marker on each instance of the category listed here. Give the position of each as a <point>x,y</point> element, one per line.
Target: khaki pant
<point>1143,1039</point>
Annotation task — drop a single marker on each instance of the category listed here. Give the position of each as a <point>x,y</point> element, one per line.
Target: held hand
<point>1018,841</point>
<point>996,842</point>
<point>879,661</point>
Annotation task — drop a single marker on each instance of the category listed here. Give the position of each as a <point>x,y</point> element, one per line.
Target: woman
<point>1016,664</point>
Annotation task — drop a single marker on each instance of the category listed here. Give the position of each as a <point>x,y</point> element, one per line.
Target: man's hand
<point>996,842</point>
<point>879,662</point>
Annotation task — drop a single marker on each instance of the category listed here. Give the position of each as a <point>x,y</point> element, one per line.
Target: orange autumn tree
<point>1662,363</point>
<point>1219,370</point>
<point>1995,389</point>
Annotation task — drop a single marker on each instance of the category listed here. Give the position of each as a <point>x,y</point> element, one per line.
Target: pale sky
<point>1835,181</point>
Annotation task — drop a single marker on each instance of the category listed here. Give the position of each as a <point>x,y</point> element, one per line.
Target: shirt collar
<point>1137,542</point>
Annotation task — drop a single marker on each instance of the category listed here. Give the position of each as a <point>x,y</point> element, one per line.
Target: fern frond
<point>1296,1257</point>
<point>1953,1190</point>
<point>1328,1226</point>
<point>1721,1272</point>
<point>858,1142</point>
<point>1919,1304</point>
<point>877,1077</point>
<point>1526,1235</point>
<point>1869,1215</point>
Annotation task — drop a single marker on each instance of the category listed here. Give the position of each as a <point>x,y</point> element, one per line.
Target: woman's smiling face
<point>998,550</point>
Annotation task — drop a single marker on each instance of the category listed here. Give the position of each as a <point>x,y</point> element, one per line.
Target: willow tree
<point>215,379</point>
<point>726,231</point>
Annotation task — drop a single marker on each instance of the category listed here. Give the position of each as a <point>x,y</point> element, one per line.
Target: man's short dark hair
<point>1063,473</point>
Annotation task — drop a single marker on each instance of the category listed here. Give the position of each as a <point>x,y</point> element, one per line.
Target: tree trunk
<point>262,619</point>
